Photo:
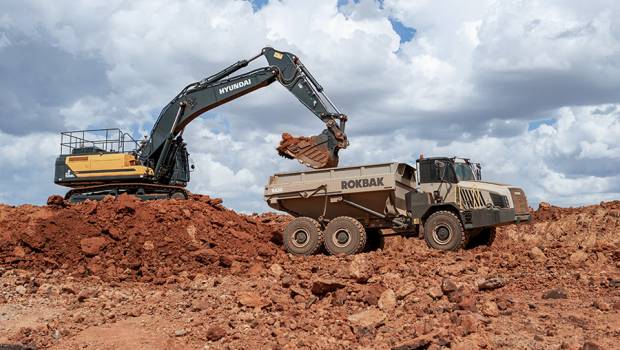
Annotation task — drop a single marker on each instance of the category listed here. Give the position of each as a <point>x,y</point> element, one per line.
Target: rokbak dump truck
<point>341,209</point>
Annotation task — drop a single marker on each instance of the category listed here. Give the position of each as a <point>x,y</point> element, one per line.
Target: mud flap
<point>316,151</point>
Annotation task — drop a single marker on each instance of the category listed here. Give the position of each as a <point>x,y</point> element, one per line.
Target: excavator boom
<point>316,151</point>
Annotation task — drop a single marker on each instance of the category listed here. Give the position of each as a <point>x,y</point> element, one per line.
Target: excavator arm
<point>195,99</point>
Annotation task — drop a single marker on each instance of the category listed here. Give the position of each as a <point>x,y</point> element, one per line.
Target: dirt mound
<point>553,283</point>
<point>128,239</point>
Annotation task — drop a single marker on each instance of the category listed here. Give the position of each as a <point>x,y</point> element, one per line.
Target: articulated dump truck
<point>343,209</point>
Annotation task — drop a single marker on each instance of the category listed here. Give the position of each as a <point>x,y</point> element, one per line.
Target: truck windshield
<point>463,172</point>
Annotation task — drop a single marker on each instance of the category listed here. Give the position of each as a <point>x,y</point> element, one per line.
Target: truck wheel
<point>303,236</point>
<point>443,231</point>
<point>345,236</point>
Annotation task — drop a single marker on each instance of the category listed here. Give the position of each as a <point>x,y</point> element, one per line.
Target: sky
<point>528,88</point>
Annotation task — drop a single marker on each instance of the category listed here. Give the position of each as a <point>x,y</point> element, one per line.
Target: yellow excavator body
<point>106,164</point>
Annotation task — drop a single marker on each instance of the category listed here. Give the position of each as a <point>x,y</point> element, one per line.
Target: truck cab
<point>449,188</point>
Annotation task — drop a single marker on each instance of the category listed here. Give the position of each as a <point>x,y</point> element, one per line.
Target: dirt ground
<point>124,274</point>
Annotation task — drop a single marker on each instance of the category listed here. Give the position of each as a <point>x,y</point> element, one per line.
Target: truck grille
<point>499,200</point>
<point>470,198</point>
<point>520,200</point>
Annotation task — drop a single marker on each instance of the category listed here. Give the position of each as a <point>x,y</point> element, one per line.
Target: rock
<point>148,246</point>
<point>419,343</point>
<point>578,258</point>
<point>447,286</point>
<point>199,305</point>
<point>371,318</point>
<point>489,309</point>
<point>387,300</point>
<point>256,269</point>
<point>543,205</point>
<point>469,323</point>
<point>276,270</point>
<point>590,345</point>
<point>21,290</point>
<point>323,286</point>
<point>226,261</point>
<point>405,290</point>
<point>435,293</point>
<point>180,332</point>
<point>467,303</point>
<point>126,204</point>
<point>339,297</point>
<point>19,252</point>
<point>56,201</point>
<point>252,299</point>
<point>93,245</point>
<point>56,334</point>
<point>537,255</point>
<point>360,268</point>
<point>371,294</point>
<point>215,333</point>
<point>601,305</point>
<point>86,294</point>
<point>557,293</point>
<point>491,283</point>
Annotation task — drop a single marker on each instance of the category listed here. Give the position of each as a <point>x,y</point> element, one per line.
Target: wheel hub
<point>342,238</point>
<point>300,238</point>
<point>442,234</point>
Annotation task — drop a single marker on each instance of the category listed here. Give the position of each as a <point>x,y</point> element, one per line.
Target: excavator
<point>97,163</point>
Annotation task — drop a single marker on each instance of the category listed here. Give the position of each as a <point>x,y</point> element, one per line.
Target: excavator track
<point>143,191</point>
<point>311,151</point>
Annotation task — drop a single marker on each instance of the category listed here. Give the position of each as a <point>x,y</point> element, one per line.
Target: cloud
<point>470,82</point>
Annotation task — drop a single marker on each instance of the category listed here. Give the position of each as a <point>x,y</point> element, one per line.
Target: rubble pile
<point>121,274</point>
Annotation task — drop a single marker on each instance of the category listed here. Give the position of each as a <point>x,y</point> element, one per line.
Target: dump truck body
<point>373,194</point>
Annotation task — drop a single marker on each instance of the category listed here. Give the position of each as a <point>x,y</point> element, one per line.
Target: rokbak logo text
<point>361,183</point>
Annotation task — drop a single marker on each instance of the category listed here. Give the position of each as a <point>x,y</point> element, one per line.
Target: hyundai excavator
<point>96,163</point>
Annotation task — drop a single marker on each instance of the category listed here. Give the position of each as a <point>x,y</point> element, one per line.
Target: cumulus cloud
<point>474,81</point>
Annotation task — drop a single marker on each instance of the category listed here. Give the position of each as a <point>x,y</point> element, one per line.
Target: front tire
<point>443,231</point>
<point>344,236</point>
<point>303,236</point>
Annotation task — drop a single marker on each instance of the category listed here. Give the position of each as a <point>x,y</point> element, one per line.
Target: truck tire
<point>443,231</point>
<point>344,236</point>
<point>303,236</point>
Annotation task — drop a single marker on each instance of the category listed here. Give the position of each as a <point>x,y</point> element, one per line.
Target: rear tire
<point>443,231</point>
<point>344,236</point>
<point>303,236</point>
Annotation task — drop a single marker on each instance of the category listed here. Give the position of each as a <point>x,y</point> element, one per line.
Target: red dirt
<point>122,274</point>
<point>126,239</point>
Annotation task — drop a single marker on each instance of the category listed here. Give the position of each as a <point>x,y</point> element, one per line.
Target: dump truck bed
<point>372,193</point>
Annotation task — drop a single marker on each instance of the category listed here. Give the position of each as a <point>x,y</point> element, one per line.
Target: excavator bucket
<point>315,151</point>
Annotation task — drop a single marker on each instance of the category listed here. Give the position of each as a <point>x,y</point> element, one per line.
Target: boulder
<point>360,268</point>
<point>93,245</point>
<point>371,318</point>
<point>387,300</point>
